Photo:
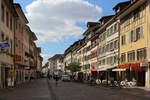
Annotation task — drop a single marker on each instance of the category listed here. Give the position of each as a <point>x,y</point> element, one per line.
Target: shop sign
<point>17,58</point>
<point>11,72</point>
<point>144,64</point>
<point>4,45</point>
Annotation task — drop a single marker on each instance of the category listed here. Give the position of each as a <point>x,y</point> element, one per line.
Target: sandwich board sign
<point>4,45</point>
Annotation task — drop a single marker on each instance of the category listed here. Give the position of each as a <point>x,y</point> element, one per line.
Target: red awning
<point>126,66</point>
<point>96,69</point>
<point>134,66</point>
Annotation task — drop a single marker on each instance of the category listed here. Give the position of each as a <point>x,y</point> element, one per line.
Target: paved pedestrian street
<point>34,90</point>
<point>80,91</point>
<point>44,89</point>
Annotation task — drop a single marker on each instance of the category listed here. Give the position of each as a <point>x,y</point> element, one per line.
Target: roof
<point>34,36</point>
<point>17,5</point>
<point>57,56</point>
<point>91,24</point>
<point>131,4</point>
<point>9,4</point>
<point>122,4</point>
<point>106,18</point>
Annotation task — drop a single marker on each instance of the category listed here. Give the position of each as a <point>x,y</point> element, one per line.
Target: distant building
<point>56,64</point>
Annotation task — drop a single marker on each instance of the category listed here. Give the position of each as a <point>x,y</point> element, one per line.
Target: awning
<point>96,69</point>
<point>133,66</point>
<point>119,70</point>
<point>125,66</point>
<point>136,66</point>
<point>106,68</point>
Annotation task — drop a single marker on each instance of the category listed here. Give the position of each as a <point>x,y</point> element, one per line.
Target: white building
<point>56,64</point>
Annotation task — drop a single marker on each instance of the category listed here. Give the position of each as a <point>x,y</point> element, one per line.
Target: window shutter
<point>117,28</point>
<point>141,32</point>
<point>134,35</point>
<point>129,38</point>
<point>124,39</point>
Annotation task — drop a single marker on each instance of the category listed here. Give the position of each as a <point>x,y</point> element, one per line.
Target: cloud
<point>46,57</point>
<point>52,20</point>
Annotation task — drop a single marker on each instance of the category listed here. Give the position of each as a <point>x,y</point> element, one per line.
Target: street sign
<point>144,64</point>
<point>4,45</point>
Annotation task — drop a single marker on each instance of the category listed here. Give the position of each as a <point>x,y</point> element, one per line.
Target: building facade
<point>7,30</point>
<point>21,21</point>
<point>134,42</point>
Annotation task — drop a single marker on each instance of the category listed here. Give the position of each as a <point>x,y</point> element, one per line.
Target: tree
<point>74,67</point>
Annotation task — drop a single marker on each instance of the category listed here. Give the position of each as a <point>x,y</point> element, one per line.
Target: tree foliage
<point>74,67</point>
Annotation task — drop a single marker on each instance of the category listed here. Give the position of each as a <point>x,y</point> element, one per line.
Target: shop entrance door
<point>6,76</point>
<point>141,78</point>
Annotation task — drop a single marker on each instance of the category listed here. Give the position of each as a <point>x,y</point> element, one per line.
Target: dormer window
<point>136,14</point>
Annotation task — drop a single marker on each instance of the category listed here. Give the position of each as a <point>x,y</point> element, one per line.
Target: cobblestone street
<point>44,89</point>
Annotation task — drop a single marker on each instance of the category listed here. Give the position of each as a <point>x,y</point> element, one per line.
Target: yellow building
<point>134,42</point>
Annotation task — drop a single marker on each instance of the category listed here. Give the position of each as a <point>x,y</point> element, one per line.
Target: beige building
<point>7,29</point>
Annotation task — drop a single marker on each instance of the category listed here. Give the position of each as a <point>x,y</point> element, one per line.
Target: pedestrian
<point>101,78</point>
<point>56,79</point>
<point>48,76</point>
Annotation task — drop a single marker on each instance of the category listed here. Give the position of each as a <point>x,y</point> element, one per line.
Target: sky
<point>59,23</point>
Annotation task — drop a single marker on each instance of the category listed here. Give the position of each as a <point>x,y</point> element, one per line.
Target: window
<point>136,35</point>
<point>111,46</point>
<point>103,62</point>
<point>136,14</point>
<point>7,19</point>
<point>132,36</point>
<point>123,40</point>
<point>11,44</point>
<point>108,33</point>
<point>123,57</point>
<point>7,39</point>
<point>108,61</point>
<point>115,44</point>
<point>11,23</point>
<point>116,59</point>
<point>139,33</point>
<point>141,54</point>
<point>116,27</point>
<point>2,37</point>
<point>131,56</point>
<point>16,24</point>
<point>111,60</point>
<point>111,30</point>
<point>3,14</point>
<point>100,50</point>
<point>127,22</point>
<point>107,47</point>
